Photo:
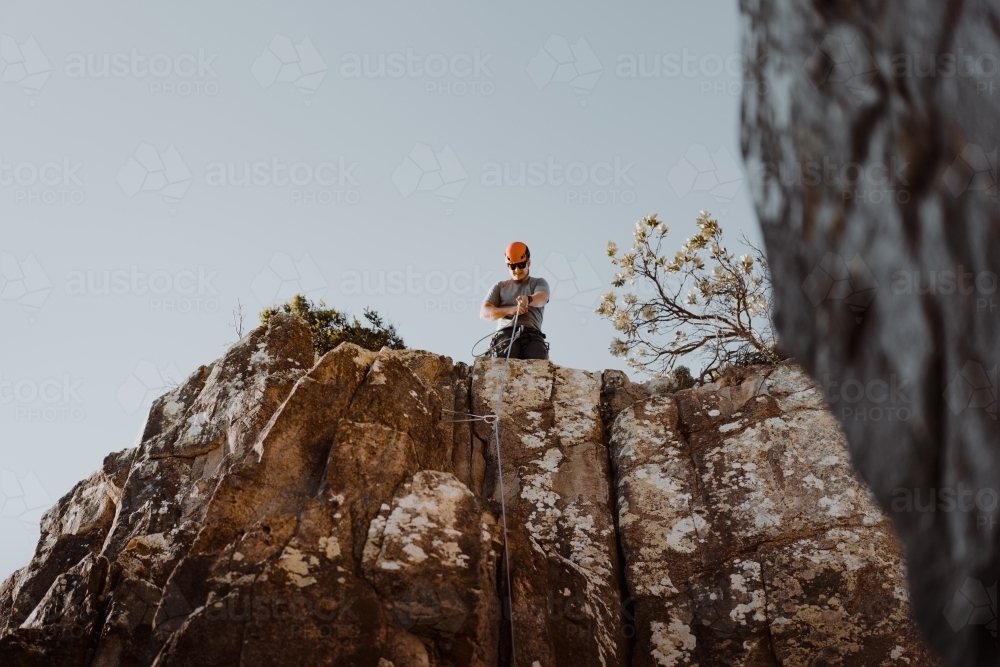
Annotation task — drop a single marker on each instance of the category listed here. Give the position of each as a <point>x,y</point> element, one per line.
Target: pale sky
<point>163,161</point>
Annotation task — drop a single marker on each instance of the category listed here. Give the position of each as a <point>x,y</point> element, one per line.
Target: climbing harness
<point>498,342</point>
<point>494,420</point>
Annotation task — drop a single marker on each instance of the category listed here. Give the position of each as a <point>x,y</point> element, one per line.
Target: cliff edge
<point>348,511</point>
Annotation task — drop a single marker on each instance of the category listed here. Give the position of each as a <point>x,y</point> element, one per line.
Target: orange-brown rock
<point>748,538</point>
<point>282,509</point>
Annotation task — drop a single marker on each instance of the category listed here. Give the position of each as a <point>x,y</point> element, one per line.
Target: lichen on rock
<point>338,513</point>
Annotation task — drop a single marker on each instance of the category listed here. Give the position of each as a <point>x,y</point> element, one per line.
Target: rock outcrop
<point>747,538</point>
<point>560,516</point>
<point>350,510</point>
<point>870,138</point>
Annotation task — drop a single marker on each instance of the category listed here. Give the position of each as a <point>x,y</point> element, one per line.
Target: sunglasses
<point>517,265</point>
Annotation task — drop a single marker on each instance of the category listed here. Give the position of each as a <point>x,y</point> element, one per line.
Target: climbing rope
<point>498,345</point>
<point>494,420</point>
<point>503,502</point>
<point>489,419</point>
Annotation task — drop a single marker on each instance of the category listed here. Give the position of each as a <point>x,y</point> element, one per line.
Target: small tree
<point>238,319</point>
<point>724,318</point>
<point>330,327</point>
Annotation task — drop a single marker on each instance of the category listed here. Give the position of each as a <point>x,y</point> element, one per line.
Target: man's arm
<point>491,312</point>
<point>541,295</point>
<point>539,299</point>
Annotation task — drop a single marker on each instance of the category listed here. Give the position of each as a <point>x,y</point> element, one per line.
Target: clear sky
<point>162,161</point>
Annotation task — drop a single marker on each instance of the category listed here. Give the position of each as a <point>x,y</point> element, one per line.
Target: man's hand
<point>522,305</point>
<point>491,312</point>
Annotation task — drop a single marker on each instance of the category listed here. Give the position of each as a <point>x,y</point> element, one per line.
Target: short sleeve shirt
<point>505,293</point>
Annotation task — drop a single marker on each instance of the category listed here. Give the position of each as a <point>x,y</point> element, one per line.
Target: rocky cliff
<point>351,510</point>
<point>870,136</point>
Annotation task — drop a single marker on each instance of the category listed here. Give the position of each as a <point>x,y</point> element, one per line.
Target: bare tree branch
<point>724,319</point>
<point>238,317</point>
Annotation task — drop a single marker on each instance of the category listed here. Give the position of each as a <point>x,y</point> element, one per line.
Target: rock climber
<point>521,295</point>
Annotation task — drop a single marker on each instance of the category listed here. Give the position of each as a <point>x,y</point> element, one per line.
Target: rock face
<point>747,538</point>
<point>345,511</point>
<point>870,135</point>
<point>560,518</point>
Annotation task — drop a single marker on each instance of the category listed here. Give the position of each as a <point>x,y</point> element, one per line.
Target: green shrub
<point>682,375</point>
<point>330,327</point>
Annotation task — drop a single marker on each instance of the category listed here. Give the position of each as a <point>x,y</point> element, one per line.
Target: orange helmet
<point>517,252</point>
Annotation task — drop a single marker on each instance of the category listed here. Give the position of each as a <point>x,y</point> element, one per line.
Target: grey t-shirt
<point>505,293</point>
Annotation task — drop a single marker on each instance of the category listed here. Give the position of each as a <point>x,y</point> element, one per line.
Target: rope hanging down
<point>494,420</point>
<point>503,502</point>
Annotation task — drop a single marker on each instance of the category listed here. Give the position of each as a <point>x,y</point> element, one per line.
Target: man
<point>521,295</point>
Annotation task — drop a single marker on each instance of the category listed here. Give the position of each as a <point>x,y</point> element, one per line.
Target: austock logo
<point>833,279</point>
<point>719,75</point>
<point>180,75</point>
<point>53,399</point>
<point>837,61</point>
<point>283,277</point>
<point>173,609</point>
<point>145,384</point>
<point>458,291</point>
<point>576,282</point>
<point>24,65</point>
<point>456,74</point>
<point>55,181</point>
<point>23,498</point>
<point>184,291</point>
<point>716,173</point>
<point>871,182</point>
<point>846,60</point>
<point>424,170</point>
<point>25,282</point>
<point>874,400</point>
<point>423,604</point>
<point>329,181</point>
<point>973,387</point>
<point>973,604</point>
<point>559,62</point>
<point>285,62</point>
<point>974,170</point>
<point>599,182</point>
<point>149,170</point>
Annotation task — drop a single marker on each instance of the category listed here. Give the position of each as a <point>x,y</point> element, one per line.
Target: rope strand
<point>503,502</point>
<point>489,419</point>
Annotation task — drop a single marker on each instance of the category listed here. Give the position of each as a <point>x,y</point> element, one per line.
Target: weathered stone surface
<point>430,556</point>
<point>59,628</point>
<point>191,435</point>
<point>560,526</point>
<point>660,517</point>
<point>285,532</point>
<point>885,273</point>
<point>354,520</point>
<point>7,589</point>
<point>716,487</point>
<point>248,551</point>
<point>72,529</point>
<point>617,393</point>
<point>840,597</point>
